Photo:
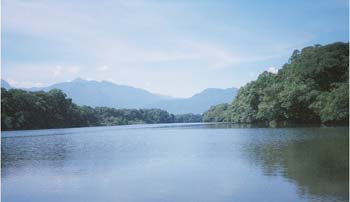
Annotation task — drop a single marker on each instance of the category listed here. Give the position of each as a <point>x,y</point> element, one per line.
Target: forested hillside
<point>37,110</point>
<point>313,87</point>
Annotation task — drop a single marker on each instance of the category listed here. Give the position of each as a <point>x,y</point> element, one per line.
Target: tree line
<point>312,87</point>
<point>41,110</point>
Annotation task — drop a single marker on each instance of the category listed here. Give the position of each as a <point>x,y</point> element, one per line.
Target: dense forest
<point>37,110</point>
<point>313,87</point>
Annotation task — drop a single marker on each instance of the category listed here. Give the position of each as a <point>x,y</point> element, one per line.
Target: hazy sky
<point>171,47</point>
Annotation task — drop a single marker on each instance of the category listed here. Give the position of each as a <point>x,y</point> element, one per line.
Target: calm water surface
<point>176,162</point>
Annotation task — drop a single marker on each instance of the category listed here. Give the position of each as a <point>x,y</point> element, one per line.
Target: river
<point>176,162</point>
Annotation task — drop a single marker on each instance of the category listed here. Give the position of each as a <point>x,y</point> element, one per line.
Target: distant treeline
<point>38,110</point>
<point>313,87</point>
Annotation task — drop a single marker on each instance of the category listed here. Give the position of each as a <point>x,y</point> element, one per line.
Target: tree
<point>311,88</point>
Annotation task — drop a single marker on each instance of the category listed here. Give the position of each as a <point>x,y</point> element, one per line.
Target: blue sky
<point>176,48</point>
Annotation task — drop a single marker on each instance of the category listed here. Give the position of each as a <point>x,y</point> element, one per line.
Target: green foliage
<point>216,113</point>
<point>188,118</point>
<point>31,110</point>
<point>36,110</point>
<point>333,106</point>
<point>311,88</point>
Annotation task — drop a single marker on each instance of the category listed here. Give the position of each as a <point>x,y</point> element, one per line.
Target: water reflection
<point>21,153</point>
<point>316,160</point>
<point>176,162</point>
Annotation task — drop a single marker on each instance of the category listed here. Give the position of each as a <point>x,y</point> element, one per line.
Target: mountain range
<point>4,84</point>
<point>198,103</point>
<point>104,93</point>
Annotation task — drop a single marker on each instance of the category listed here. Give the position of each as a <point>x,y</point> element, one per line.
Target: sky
<point>176,48</point>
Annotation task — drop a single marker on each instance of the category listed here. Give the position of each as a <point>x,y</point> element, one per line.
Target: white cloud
<point>103,68</point>
<point>91,36</point>
<point>57,71</point>
<point>24,84</point>
<point>273,70</point>
<point>74,70</point>
<point>134,42</point>
<point>44,18</point>
<point>39,74</point>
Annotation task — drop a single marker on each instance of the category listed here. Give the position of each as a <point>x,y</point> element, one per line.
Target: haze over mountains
<point>198,103</point>
<point>5,85</point>
<point>104,93</point>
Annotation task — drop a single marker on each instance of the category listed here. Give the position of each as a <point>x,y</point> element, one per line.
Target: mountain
<point>5,85</point>
<point>198,103</point>
<point>104,93</point>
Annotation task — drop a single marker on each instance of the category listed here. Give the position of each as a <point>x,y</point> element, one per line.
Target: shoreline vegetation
<point>24,110</point>
<point>311,88</point>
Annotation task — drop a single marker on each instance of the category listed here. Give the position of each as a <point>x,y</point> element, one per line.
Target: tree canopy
<point>313,87</point>
<point>37,110</point>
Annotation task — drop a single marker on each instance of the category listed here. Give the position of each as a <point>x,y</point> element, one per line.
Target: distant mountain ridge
<point>104,93</point>
<point>5,84</point>
<point>199,102</point>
